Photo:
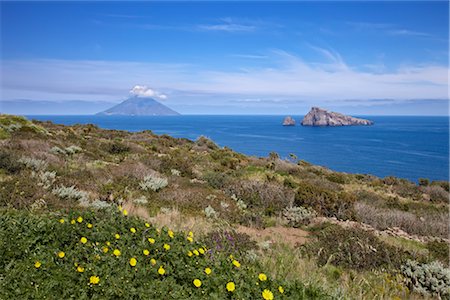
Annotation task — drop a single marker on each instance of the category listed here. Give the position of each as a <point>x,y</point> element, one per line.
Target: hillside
<point>217,224</point>
<point>139,106</point>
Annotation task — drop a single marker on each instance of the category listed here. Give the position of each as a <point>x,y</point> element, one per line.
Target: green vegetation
<point>318,233</point>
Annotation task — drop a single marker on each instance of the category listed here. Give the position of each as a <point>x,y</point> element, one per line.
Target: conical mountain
<point>139,106</point>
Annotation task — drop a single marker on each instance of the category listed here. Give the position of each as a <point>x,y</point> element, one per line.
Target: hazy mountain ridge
<point>139,106</point>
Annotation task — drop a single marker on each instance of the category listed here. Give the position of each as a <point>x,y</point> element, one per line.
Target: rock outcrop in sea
<point>289,121</point>
<point>321,117</point>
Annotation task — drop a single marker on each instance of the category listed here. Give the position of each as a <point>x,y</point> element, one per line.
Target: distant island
<point>289,121</point>
<point>321,117</point>
<point>139,106</point>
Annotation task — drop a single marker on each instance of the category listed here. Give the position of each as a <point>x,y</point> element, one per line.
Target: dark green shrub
<point>424,181</point>
<point>354,249</point>
<point>117,148</point>
<point>10,162</point>
<point>439,250</point>
<point>217,180</point>
<point>207,143</point>
<point>337,178</point>
<point>444,184</point>
<point>325,202</point>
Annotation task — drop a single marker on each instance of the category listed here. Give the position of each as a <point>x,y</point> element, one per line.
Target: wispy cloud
<point>228,25</point>
<point>388,29</point>
<point>289,77</point>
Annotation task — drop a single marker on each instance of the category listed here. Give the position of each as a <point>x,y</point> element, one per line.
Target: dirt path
<point>286,235</point>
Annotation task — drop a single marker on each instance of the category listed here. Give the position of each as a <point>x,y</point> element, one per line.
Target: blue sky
<point>231,57</point>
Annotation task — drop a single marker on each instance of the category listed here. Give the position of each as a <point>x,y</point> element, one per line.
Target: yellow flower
<point>117,236</point>
<point>161,271</point>
<point>151,241</point>
<point>281,289</point>
<point>37,264</point>
<point>231,256</point>
<point>153,261</point>
<point>197,283</point>
<point>195,252</point>
<point>190,254</point>
<point>89,225</point>
<point>94,280</point>
<point>80,219</point>
<point>166,247</point>
<point>170,233</point>
<point>108,244</point>
<point>80,269</point>
<point>146,252</point>
<point>116,252</point>
<point>105,249</point>
<point>133,262</point>
<point>133,230</point>
<point>231,286</point>
<point>83,240</point>
<point>262,277</point>
<point>208,271</point>
<point>190,239</point>
<point>191,234</point>
<point>72,222</point>
<point>120,207</point>
<point>201,251</point>
<point>125,212</point>
<point>267,295</point>
<point>61,254</point>
<point>236,263</point>
<point>61,221</point>
<point>147,225</point>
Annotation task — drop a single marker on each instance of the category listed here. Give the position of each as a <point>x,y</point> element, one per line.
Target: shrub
<point>10,162</point>
<point>117,148</point>
<point>437,193</point>
<point>439,250</point>
<point>32,268</point>
<point>217,180</point>
<point>229,242</point>
<point>154,183</point>
<point>71,193</point>
<point>298,216</point>
<point>354,249</point>
<point>210,212</point>
<point>432,278</point>
<point>325,202</point>
<point>33,163</point>
<point>432,224</point>
<point>270,197</point>
<point>46,179</point>
<point>72,150</point>
<point>205,142</point>
<point>424,181</point>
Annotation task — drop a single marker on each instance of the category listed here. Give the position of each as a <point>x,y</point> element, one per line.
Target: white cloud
<point>144,91</point>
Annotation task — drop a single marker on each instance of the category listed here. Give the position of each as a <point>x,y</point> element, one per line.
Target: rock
<point>289,121</point>
<point>321,117</point>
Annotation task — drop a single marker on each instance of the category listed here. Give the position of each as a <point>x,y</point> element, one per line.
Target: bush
<point>269,197</point>
<point>10,163</point>
<point>117,148</point>
<point>153,263</point>
<point>217,180</point>
<point>436,193</point>
<point>355,249</point>
<point>325,202</point>
<point>154,183</point>
<point>427,279</point>
<point>229,242</point>
<point>33,163</point>
<point>298,216</point>
<point>71,193</point>
<point>439,250</point>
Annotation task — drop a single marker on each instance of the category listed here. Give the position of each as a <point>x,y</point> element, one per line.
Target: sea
<point>410,147</point>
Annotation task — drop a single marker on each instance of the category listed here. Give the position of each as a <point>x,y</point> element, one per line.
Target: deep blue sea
<point>407,147</point>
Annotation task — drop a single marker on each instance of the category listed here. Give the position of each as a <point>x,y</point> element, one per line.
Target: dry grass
<point>433,224</point>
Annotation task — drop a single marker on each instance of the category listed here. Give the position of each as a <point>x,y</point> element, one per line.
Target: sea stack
<point>289,121</point>
<point>321,117</point>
